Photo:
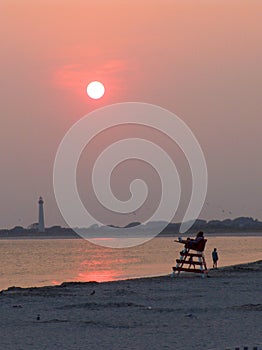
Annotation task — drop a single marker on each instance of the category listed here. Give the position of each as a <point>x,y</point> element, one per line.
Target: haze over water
<point>199,59</point>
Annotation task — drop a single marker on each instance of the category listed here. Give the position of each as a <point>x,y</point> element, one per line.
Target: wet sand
<point>186,312</point>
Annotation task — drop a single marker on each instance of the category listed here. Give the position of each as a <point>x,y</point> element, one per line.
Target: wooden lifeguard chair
<point>188,259</point>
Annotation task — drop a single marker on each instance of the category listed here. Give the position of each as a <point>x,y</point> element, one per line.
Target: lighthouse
<point>41,222</point>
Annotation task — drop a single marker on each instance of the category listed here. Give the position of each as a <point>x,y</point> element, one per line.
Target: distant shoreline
<point>240,226</point>
<point>162,235</point>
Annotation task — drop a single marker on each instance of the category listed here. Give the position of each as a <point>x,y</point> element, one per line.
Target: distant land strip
<point>237,225</point>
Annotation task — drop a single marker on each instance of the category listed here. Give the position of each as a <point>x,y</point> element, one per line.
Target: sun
<point>95,90</point>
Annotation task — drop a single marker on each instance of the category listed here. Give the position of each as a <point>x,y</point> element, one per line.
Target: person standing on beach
<point>215,258</point>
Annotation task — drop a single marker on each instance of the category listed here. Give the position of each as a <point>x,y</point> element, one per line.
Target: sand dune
<point>188,312</point>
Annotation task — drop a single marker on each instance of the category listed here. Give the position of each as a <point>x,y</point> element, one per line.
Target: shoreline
<point>187,312</point>
<point>250,266</point>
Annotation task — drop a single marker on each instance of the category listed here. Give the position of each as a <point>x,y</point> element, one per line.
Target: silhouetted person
<point>215,258</point>
<point>194,243</point>
<point>197,243</point>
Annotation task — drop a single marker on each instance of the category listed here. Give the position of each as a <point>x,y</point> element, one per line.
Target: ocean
<point>41,262</point>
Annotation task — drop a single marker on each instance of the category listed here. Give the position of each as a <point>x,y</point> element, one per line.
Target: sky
<point>198,59</point>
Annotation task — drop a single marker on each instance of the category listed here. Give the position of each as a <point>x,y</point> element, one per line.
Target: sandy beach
<point>186,312</point>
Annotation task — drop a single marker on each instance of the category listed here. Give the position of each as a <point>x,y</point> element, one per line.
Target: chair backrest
<point>201,245</point>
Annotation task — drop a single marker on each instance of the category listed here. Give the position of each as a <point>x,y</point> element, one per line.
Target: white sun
<point>95,90</point>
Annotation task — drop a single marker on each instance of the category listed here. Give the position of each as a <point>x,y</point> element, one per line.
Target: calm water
<point>37,262</point>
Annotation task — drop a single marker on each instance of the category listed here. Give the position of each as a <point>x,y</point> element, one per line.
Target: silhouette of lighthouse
<point>41,222</point>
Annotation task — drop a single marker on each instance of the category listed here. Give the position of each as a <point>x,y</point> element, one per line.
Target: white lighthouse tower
<point>41,222</point>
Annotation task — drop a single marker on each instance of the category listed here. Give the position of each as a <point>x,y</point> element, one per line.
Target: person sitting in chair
<point>196,243</point>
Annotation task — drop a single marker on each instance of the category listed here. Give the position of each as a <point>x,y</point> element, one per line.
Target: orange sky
<point>200,59</point>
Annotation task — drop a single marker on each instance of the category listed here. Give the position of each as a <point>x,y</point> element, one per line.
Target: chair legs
<point>188,263</point>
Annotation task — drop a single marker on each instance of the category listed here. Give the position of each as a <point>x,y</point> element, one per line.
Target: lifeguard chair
<point>191,261</point>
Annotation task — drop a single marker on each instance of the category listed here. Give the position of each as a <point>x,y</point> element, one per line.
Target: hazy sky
<point>200,59</point>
